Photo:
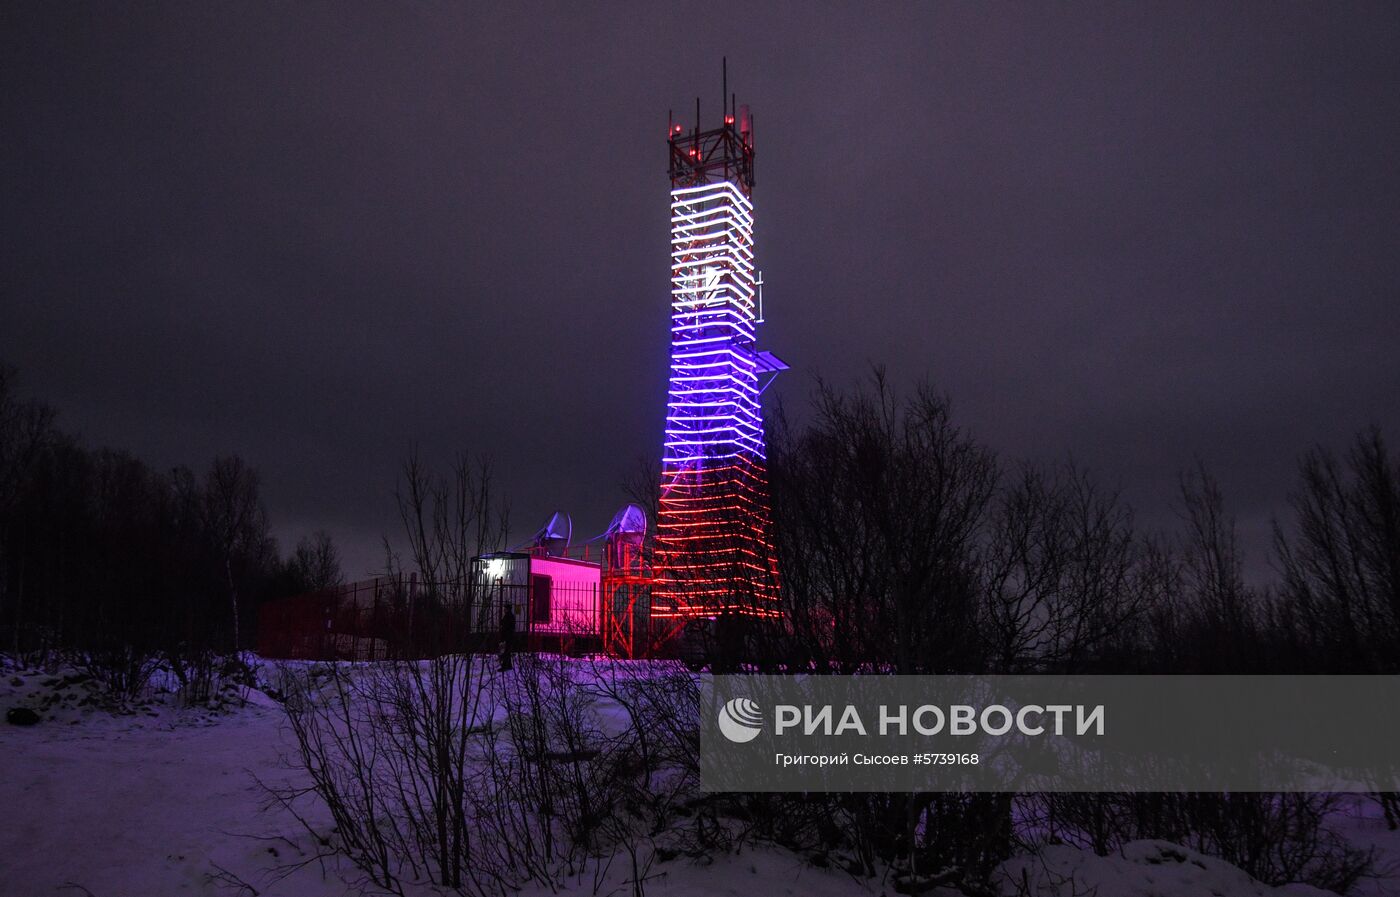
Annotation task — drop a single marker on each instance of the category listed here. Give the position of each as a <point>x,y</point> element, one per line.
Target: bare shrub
<point>447,771</point>
<point>122,669</point>
<point>1276,838</point>
<point>478,781</point>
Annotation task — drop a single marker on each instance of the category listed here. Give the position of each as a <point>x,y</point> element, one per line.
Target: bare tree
<point>880,503</point>
<point>1223,614</point>
<point>1341,565</point>
<point>26,428</point>
<point>316,563</point>
<point>1058,573</point>
<point>236,523</point>
<point>1341,561</point>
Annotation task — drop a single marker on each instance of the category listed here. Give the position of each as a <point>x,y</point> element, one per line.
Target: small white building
<point>549,595</point>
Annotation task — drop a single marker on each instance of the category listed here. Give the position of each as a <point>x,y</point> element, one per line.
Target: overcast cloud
<point>314,234</point>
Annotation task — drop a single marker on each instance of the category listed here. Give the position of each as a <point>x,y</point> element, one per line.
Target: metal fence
<point>548,608</point>
<point>385,619</point>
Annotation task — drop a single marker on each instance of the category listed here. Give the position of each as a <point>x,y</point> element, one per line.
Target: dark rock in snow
<point>21,716</point>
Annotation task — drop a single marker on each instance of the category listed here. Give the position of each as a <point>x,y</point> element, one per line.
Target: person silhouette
<point>507,636</point>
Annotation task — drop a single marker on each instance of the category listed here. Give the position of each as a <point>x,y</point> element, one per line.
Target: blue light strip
<point>713,407</point>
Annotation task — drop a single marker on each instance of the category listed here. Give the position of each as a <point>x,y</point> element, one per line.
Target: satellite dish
<point>625,536</point>
<point>555,536</point>
<point>629,521</point>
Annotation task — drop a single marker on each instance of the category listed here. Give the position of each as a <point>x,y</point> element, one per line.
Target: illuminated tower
<point>713,545</point>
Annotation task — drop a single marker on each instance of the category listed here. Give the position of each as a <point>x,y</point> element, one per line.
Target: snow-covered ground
<point>165,800</point>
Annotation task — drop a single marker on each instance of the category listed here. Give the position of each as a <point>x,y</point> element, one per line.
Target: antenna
<point>759,283</point>
<point>722,150</point>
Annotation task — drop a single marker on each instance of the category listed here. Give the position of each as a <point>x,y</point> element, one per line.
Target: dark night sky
<point>315,233</point>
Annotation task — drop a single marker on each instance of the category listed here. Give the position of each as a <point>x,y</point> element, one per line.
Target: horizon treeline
<point>122,566</point>
<point>904,542</point>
